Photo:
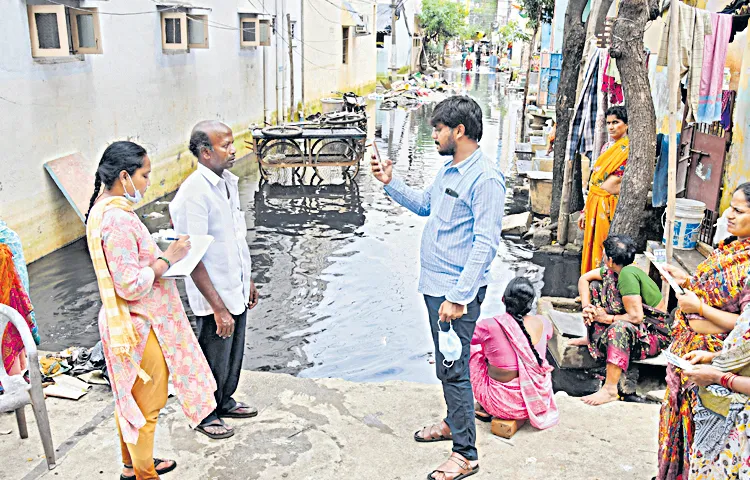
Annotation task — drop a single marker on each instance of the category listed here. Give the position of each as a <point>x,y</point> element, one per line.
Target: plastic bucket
<point>688,216</point>
<point>330,105</point>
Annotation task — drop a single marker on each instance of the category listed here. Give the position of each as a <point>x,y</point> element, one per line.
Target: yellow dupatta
<point>600,204</point>
<point>122,333</point>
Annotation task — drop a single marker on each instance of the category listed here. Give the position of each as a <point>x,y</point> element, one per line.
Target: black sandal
<point>252,412</point>
<point>160,471</point>
<point>215,436</point>
<point>483,418</point>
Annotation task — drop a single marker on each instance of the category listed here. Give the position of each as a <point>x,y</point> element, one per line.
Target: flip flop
<point>215,436</point>
<point>160,471</point>
<point>233,412</point>
<point>483,418</point>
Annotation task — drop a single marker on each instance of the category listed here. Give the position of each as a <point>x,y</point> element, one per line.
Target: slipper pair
<point>160,471</point>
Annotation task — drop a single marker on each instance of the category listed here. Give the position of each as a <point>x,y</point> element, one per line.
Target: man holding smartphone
<point>465,206</point>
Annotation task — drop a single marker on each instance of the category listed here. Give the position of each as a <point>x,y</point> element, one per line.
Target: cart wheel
<point>345,118</point>
<point>335,151</point>
<point>282,131</point>
<point>281,151</point>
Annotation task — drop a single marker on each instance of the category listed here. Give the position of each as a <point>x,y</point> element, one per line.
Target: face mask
<point>137,197</point>
<point>449,345</point>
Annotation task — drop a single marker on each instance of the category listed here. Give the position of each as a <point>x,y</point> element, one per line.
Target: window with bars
<point>345,43</point>
<point>174,35</point>
<point>250,30</point>
<point>59,31</point>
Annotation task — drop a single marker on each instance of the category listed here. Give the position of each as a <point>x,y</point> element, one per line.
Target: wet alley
<point>336,265</point>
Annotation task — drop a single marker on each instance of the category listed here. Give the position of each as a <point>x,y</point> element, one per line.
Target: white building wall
<point>52,108</point>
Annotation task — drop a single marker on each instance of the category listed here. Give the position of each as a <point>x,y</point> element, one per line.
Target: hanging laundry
<point>661,172</point>
<point>610,85</point>
<point>712,75</point>
<point>739,24</point>
<point>581,135</point>
<point>694,25</point>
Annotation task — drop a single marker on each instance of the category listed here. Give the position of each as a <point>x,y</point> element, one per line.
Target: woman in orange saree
<point>604,189</point>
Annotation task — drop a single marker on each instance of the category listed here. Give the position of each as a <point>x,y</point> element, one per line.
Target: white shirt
<point>201,207</point>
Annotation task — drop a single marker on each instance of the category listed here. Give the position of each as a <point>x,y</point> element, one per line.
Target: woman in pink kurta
<point>133,272</point>
<point>510,376</point>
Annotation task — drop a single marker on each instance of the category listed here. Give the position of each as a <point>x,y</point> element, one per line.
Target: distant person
<point>464,206</point>
<point>604,189</point>
<point>145,333</point>
<point>220,289</point>
<point>510,376</point>
<point>469,64</point>
<point>625,314</point>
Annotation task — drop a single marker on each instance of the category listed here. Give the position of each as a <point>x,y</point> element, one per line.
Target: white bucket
<point>330,105</point>
<point>688,216</point>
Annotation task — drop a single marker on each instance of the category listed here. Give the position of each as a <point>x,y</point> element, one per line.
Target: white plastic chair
<point>18,393</point>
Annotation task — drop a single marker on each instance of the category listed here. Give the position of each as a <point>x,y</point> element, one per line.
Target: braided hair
<point>518,298</point>
<point>117,157</point>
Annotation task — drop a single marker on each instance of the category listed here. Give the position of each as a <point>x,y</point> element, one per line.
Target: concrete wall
<point>55,107</point>
<point>324,69</point>
<point>737,167</point>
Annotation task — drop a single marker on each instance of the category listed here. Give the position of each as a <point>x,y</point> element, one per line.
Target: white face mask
<point>449,345</point>
<point>136,197</point>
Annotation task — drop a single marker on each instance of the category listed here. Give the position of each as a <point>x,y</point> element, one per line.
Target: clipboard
<point>198,247</point>
<point>669,278</point>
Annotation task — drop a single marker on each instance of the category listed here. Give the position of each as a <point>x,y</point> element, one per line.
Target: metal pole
<point>285,111</point>
<point>393,37</point>
<point>673,74</point>
<point>292,106</point>
<point>302,51</point>
<point>277,26</point>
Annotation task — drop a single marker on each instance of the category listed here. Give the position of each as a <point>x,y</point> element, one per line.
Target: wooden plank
<point>73,176</point>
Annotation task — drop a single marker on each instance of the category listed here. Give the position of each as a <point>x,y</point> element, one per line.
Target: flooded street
<point>336,266</point>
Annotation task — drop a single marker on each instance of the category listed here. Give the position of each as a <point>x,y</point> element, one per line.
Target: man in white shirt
<point>220,290</point>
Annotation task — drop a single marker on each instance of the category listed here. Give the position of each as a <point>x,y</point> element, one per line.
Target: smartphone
<point>377,155</point>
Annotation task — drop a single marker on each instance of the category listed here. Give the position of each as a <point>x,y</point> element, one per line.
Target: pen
<point>171,239</point>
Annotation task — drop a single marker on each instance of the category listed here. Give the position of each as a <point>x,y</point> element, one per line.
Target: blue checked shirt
<point>465,207</point>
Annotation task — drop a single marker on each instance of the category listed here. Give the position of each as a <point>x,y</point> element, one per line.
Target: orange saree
<point>600,204</point>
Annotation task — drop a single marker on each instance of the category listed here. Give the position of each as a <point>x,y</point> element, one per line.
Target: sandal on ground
<point>233,413</point>
<point>160,471</point>
<point>483,418</point>
<point>215,436</point>
<point>464,469</point>
<point>436,433</point>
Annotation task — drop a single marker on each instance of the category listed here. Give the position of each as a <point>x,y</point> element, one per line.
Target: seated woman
<point>721,447</point>
<point>624,312</point>
<point>509,374</point>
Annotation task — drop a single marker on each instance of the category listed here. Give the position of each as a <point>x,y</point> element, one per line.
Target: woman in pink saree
<point>509,373</point>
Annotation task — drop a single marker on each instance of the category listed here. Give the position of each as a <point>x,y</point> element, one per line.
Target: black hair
<point>618,111</point>
<point>198,141</point>
<point>117,157</point>
<point>620,249</point>
<point>745,189</point>
<point>459,110</point>
<point>518,298</point>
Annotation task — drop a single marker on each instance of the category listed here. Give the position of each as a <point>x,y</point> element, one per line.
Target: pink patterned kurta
<point>156,305</point>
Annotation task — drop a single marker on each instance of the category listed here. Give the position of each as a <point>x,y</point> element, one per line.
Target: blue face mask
<point>449,345</point>
<point>137,197</point>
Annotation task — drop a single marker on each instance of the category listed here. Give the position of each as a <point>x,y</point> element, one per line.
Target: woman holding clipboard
<point>707,311</point>
<point>144,330</point>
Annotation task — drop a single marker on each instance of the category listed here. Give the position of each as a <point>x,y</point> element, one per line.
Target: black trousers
<point>456,382</point>
<point>224,356</point>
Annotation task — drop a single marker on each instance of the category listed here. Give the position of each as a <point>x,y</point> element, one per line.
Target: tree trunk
<point>627,49</point>
<point>574,39</point>
<point>532,43</point>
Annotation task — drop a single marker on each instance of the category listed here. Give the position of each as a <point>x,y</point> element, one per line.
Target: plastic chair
<point>18,393</point>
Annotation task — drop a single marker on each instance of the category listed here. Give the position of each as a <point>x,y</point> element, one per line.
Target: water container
<point>688,216</point>
<point>330,105</point>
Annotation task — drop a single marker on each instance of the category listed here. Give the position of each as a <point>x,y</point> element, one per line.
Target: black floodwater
<point>336,265</point>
